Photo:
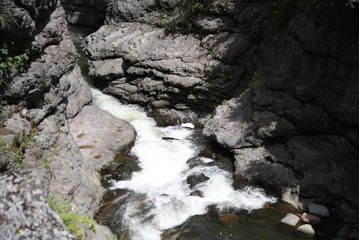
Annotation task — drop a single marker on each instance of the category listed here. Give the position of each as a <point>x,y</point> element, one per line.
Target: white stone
<point>306,231</point>
<point>291,219</point>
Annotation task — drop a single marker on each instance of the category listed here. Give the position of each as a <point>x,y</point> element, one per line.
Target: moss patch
<point>74,222</point>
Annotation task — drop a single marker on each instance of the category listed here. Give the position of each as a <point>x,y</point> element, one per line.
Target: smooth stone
<point>306,231</point>
<point>291,219</point>
<point>318,210</point>
<point>309,218</point>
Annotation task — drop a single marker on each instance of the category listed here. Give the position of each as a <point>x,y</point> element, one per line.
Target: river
<point>162,198</point>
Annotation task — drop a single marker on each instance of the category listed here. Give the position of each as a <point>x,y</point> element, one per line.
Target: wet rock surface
<point>100,136</point>
<point>196,178</point>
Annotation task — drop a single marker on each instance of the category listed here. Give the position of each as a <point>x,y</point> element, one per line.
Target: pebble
<point>291,219</point>
<point>306,231</point>
<point>309,218</point>
<point>318,210</point>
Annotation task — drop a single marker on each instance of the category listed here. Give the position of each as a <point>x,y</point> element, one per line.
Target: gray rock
<point>196,178</point>
<point>290,219</point>
<point>232,124</point>
<point>182,82</point>
<point>79,93</point>
<point>318,210</point>
<point>100,136</point>
<point>159,64</point>
<point>106,69</point>
<point>24,211</point>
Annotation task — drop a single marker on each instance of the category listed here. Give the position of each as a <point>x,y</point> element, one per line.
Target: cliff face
<point>296,124</point>
<point>289,71</point>
<point>41,103</point>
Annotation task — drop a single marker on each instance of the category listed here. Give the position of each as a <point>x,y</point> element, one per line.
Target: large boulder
<point>100,136</point>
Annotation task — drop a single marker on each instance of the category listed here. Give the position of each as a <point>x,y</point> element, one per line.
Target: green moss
<point>187,13</point>
<point>74,222</point>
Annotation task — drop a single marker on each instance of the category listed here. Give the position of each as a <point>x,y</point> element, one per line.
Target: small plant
<point>3,146</point>
<point>2,113</point>
<point>5,19</point>
<point>45,163</point>
<point>21,143</point>
<point>9,63</point>
<point>74,222</point>
<point>188,11</point>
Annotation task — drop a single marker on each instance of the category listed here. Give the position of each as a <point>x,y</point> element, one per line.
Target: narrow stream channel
<point>162,180</point>
<point>161,198</point>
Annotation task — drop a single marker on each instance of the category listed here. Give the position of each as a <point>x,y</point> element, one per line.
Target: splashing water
<point>162,198</point>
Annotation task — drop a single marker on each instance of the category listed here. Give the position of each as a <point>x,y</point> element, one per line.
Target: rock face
<point>24,212</point>
<point>155,69</point>
<point>293,126</point>
<point>42,100</point>
<point>100,136</point>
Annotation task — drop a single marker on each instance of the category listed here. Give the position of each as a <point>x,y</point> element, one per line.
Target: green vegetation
<point>3,146</point>
<point>21,143</point>
<point>5,19</point>
<point>188,11</point>
<point>9,63</point>
<point>2,114</point>
<point>74,222</point>
<point>45,163</point>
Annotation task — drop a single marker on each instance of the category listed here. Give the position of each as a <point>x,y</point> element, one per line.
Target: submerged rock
<point>318,210</point>
<point>196,178</point>
<point>227,218</point>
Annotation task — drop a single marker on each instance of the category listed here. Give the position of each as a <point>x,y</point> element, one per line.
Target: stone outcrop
<point>24,211</point>
<point>142,64</point>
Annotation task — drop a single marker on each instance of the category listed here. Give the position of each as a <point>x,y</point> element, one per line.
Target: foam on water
<point>162,198</point>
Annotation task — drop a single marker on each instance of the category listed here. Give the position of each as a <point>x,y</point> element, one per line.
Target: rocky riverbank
<point>284,76</point>
<point>50,129</point>
<point>275,83</point>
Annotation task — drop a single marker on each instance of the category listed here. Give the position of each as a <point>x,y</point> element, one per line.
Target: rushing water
<point>161,198</point>
<point>162,180</point>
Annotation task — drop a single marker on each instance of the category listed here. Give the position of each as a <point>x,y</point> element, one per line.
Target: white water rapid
<point>162,198</point>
